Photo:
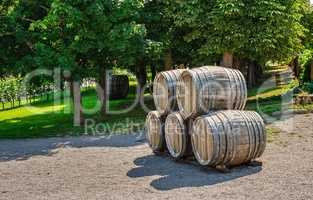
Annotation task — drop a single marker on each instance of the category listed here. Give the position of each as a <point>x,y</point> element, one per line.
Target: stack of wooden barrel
<point>200,113</point>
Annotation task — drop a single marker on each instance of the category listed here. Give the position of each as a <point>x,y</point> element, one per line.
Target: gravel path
<point>123,167</point>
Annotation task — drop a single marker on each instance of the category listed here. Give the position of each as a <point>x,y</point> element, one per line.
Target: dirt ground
<point>123,167</point>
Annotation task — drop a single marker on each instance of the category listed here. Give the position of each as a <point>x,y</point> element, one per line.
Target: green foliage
<point>308,87</point>
<point>81,36</point>
<point>11,89</point>
<point>162,31</point>
<point>260,30</point>
<point>307,22</point>
<point>306,75</point>
<point>16,42</point>
<point>306,58</point>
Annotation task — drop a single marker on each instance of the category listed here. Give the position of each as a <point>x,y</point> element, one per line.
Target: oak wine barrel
<point>118,86</point>
<point>164,91</point>
<point>209,88</point>
<point>155,131</point>
<point>228,138</point>
<point>177,136</point>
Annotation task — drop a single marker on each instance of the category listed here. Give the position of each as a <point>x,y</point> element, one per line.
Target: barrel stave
<point>155,131</point>
<point>177,136</point>
<point>213,88</point>
<point>164,91</point>
<point>235,137</point>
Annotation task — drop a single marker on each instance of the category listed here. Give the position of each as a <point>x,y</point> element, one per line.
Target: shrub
<point>308,87</point>
<point>307,71</point>
<point>305,61</point>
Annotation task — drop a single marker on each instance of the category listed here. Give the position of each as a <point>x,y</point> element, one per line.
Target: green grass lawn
<point>44,119</point>
<point>268,100</point>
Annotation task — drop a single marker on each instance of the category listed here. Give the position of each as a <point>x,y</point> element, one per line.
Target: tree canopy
<point>260,30</point>
<point>86,37</point>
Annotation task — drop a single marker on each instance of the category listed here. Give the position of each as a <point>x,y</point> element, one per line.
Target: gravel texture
<point>123,167</point>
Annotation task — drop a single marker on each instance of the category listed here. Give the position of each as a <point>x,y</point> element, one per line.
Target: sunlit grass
<point>271,100</point>
<point>27,111</point>
<point>257,93</point>
<point>44,119</point>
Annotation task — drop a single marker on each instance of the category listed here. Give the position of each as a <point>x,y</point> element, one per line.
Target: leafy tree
<point>307,22</point>
<point>11,90</point>
<point>87,37</point>
<point>172,49</point>
<point>306,58</point>
<point>253,30</point>
<point>16,42</point>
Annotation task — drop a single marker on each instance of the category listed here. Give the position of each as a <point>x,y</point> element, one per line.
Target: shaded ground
<point>124,168</point>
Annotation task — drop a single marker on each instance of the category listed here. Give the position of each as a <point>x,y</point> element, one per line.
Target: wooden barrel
<point>155,131</point>
<point>208,88</point>
<point>164,91</point>
<point>177,136</point>
<point>228,138</point>
<point>118,86</point>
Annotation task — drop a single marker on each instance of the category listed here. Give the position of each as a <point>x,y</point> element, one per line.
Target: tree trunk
<point>295,66</point>
<point>102,90</point>
<point>239,63</point>
<point>168,60</point>
<point>77,100</point>
<point>255,73</point>
<point>228,60</point>
<point>62,88</point>
<point>153,71</point>
<point>251,75</point>
<point>141,74</point>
